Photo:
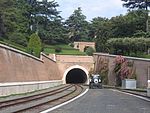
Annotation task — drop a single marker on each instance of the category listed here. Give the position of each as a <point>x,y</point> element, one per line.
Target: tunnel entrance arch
<point>76,74</point>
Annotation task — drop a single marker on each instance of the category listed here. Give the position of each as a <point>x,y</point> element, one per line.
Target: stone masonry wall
<point>66,61</point>
<point>141,65</point>
<point>17,66</point>
<point>82,45</point>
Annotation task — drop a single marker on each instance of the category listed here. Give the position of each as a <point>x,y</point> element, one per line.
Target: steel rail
<point>78,89</point>
<point>7,103</point>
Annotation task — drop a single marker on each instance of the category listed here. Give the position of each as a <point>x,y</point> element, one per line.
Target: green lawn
<point>66,50</point>
<point>63,46</point>
<point>145,56</point>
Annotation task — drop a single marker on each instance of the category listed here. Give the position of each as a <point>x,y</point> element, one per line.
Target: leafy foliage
<point>139,4</point>
<point>77,26</point>
<point>101,67</point>
<point>123,69</point>
<point>89,51</point>
<point>18,38</point>
<point>30,16</point>
<point>34,45</point>
<point>100,32</point>
<point>58,49</point>
<point>129,46</point>
<point>21,18</point>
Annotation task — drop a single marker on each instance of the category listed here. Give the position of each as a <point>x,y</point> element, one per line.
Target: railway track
<point>42,101</point>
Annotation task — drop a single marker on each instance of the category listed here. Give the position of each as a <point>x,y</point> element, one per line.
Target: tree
<point>2,28</point>
<point>77,26</point>
<point>140,4</point>
<point>47,22</point>
<point>34,45</point>
<point>101,31</point>
<point>129,24</point>
<point>13,19</point>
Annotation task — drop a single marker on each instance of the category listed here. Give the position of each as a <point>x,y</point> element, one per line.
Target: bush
<point>1,39</point>
<point>18,38</point>
<point>34,45</point>
<point>71,44</point>
<point>129,46</point>
<point>58,49</point>
<point>89,51</point>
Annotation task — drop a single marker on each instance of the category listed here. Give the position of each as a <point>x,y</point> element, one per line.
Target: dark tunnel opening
<point>76,76</point>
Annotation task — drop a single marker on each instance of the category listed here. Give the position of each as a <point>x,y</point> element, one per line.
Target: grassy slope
<point>14,45</point>
<point>66,50</point>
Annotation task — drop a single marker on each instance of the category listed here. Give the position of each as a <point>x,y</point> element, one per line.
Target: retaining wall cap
<point>27,83</point>
<point>134,58</point>
<point>21,52</point>
<point>47,57</point>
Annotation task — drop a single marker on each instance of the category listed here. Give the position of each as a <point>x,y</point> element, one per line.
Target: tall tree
<point>129,24</point>
<point>77,26</point>
<point>13,21</point>
<point>100,31</point>
<point>140,4</point>
<point>47,21</point>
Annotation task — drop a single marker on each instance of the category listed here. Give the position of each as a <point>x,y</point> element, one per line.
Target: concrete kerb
<point>148,88</point>
<point>136,92</point>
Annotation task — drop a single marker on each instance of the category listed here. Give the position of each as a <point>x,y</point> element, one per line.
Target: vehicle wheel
<point>91,86</point>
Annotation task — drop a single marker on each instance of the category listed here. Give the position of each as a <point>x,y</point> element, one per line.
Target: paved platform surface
<point>105,101</point>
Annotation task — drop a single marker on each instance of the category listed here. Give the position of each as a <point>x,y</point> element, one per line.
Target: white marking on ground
<point>144,98</point>
<point>60,105</point>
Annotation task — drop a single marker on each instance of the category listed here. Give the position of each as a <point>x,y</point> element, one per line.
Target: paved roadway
<point>105,101</point>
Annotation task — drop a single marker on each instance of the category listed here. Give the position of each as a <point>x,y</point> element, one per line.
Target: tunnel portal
<point>76,76</point>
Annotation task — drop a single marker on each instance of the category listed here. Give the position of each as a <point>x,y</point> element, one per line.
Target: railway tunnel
<point>76,76</point>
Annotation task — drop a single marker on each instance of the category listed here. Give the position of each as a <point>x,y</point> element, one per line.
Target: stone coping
<point>47,57</point>
<point>84,42</point>
<point>27,83</point>
<point>20,52</point>
<point>134,58</point>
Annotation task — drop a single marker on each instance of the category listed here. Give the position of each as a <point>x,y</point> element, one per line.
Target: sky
<point>92,8</point>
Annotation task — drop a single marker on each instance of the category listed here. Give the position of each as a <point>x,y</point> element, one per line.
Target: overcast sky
<point>92,8</point>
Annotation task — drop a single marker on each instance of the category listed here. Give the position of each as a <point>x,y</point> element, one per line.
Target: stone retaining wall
<point>141,65</point>
<point>20,69</point>
<point>17,66</point>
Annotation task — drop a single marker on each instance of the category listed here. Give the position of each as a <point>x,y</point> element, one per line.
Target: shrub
<point>129,46</point>
<point>18,38</point>
<point>34,45</point>
<point>58,49</point>
<point>123,69</point>
<point>89,51</point>
<point>71,44</point>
